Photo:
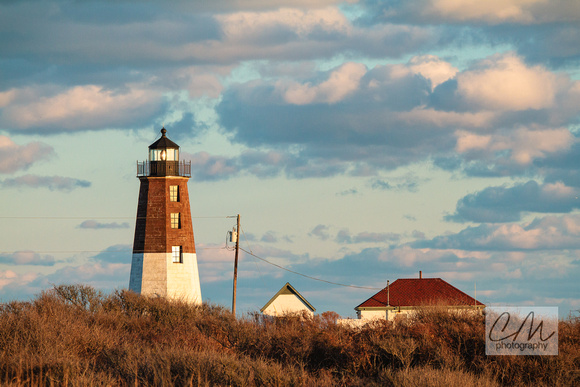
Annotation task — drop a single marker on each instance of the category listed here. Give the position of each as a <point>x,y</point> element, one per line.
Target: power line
<point>103,217</point>
<point>255,263</point>
<point>95,251</point>
<point>66,217</point>
<point>309,277</point>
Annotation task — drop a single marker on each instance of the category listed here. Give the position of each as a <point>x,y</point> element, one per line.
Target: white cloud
<point>207,167</point>
<point>78,108</point>
<point>14,157</point>
<point>11,278</point>
<point>238,5</point>
<point>26,258</point>
<point>548,233</point>
<point>320,232</point>
<point>528,145</point>
<point>525,145</point>
<point>432,68</point>
<point>299,34</point>
<point>93,224</point>
<point>344,236</point>
<point>107,274</point>
<point>504,83</point>
<point>98,275</point>
<point>467,141</point>
<point>6,97</point>
<point>199,81</point>
<point>490,12</point>
<point>59,183</point>
<point>493,11</point>
<point>504,204</point>
<point>249,26</point>
<point>340,83</point>
<point>444,119</point>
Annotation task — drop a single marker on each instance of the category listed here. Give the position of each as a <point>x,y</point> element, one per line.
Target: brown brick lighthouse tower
<point>164,260</point>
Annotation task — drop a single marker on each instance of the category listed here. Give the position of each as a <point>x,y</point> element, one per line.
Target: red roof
<point>420,291</point>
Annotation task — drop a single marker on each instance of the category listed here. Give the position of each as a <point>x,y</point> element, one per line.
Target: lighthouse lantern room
<point>164,261</point>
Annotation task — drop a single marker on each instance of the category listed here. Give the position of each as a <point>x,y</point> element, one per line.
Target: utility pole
<point>236,267</point>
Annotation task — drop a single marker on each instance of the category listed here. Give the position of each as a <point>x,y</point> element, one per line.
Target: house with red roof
<point>406,295</point>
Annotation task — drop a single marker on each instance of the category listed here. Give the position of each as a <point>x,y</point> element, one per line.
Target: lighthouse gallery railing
<point>164,168</point>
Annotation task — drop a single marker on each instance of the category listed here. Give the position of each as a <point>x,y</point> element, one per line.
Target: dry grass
<point>74,335</point>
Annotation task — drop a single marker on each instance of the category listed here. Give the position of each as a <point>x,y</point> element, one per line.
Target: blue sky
<point>361,141</point>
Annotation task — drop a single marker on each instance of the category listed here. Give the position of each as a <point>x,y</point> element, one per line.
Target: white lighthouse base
<point>155,274</point>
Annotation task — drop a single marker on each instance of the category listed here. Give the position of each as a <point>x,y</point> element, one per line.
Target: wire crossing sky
<point>362,141</point>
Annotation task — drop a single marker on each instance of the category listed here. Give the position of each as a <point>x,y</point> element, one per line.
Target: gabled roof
<point>418,292</point>
<point>288,289</point>
<point>163,142</point>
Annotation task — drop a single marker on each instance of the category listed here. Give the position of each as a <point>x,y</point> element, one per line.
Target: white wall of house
<point>396,313</point>
<point>368,316</point>
<point>404,313</point>
<point>285,304</point>
<point>373,314</point>
<point>352,322</point>
<point>384,314</point>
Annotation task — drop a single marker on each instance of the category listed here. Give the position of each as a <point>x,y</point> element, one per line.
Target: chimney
<point>420,274</point>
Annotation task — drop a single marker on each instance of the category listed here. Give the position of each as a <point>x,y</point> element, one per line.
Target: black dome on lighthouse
<point>164,142</point>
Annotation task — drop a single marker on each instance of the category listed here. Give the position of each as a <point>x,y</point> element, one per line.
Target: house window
<point>176,254</point>
<point>175,220</point>
<point>174,193</point>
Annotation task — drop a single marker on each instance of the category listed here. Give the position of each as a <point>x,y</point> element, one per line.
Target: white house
<point>404,296</point>
<point>287,301</point>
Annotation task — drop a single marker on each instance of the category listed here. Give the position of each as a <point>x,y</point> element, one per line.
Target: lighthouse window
<point>154,154</point>
<point>175,220</point>
<point>172,154</point>
<point>174,193</point>
<point>176,254</point>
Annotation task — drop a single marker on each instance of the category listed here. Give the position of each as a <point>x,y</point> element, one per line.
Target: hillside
<point>74,335</point>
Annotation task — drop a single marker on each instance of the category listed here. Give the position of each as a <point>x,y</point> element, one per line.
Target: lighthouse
<point>164,261</point>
